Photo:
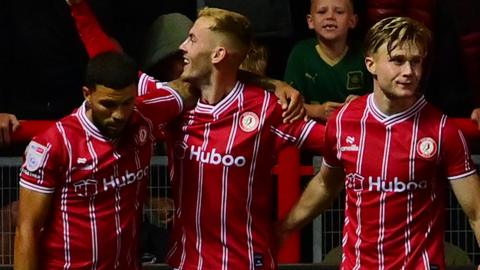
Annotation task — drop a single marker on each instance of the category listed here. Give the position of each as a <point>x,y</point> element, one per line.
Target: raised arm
<point>94,39</point>
<point>33,210</point>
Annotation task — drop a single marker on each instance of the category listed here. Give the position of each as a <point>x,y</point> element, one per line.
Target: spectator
<point>326,69</point>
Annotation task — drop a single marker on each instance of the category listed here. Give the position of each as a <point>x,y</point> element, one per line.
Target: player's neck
<point>391,106</point>
<point>219,86</point>
<point>332,52</point>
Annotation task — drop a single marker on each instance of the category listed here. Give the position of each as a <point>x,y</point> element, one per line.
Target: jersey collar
<point>221,106</point>
<point>398,117</point>
<point>87,125</point>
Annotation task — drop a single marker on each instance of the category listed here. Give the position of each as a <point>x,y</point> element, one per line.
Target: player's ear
<point>87,93</point>
<point>219,53</point>
<point>370,64</point>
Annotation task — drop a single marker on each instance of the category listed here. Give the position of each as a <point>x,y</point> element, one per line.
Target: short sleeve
<point>455,153</point>
<point>160,104</point>
<point>43,163</point>
<point>330,144</point>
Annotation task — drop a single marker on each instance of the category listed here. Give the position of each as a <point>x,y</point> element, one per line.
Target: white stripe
<point>456,177</point>
<point>93,225</point>
<point>91,206</point>
<point>410,195</point>
<point>339,130</point>
<point>118,228</point>
<point>282,135</point>
<point>381,223</point>
<point>358,231</point>
<point>251,175</point>
<point>305,133</point>
<point>184,252</point>
<point>426,260</point>
<point>34,187</point>
<point>198,211</point>
<point>139,183</point>
<point>87,125</point>
<point>63,201</point>
<point>142,89</point>
<point>181,169</point>
<point>443,121</point>
<point>223,214</point>
<point>466,150</point>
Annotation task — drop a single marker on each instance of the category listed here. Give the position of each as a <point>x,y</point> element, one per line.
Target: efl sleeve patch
<point>35,155</point>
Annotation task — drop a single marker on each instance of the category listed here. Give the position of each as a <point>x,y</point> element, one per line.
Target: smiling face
<point>397,74</point>
<point>110,109</point>
<point>197,51</point>
<point>331,19</point>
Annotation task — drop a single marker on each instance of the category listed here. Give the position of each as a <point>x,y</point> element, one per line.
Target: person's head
<point>161,56</point>
<point>217,38</point>
<point>110,90</point>
<point>331,19</point>
<point>256,60</point>
<point>395,48</point>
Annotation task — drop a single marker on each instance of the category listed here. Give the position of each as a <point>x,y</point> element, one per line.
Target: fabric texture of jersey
<point>221,159</point>
<point>319,82</point>
<point>397,170</point>
<point>98,185</point>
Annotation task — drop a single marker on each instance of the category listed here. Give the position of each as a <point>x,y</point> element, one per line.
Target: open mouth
<point>330,27</point>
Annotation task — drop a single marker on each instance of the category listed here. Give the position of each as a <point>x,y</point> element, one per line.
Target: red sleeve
<point>148,84</point>
<point>160,106</point>
<point>94,39</point>
<point>455,153</point>
<point>315,139</point>
<point>298,133</point>
<point>43,163</point>
<point>330,143</point>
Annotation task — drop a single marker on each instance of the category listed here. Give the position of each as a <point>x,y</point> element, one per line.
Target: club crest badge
<point>426,147</point>
<point>35,156</point>
<point>142,135</point>
<point>249,121</point>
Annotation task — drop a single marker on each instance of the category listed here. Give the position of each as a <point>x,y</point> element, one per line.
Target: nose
<point>120,114</point>
<point>182,46</point>
<point>407,68</point>
<point>330,13</point>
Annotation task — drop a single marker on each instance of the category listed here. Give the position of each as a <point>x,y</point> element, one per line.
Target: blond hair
<point>397,31</point>
<point>233,25</point>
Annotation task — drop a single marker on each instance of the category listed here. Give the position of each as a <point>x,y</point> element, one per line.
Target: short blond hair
<point>233,25</point>
<point>396,31</point>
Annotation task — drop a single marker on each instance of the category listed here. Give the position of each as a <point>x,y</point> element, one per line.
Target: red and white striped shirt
<point>396,170</point>
<point>221,159</point>
<point>98,186</point>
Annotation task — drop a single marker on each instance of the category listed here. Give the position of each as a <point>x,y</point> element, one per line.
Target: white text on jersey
<point>215,158</point>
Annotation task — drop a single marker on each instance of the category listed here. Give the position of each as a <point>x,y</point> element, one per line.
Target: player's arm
<point>290,99</point>
<point>467,191</point>
<point>321,112</point>
<point>94,39</point>
<point>318,196</point>
<point>186,91</point>
<point>475,116</point>
<point>33,210</point>
<point>8,124</point>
